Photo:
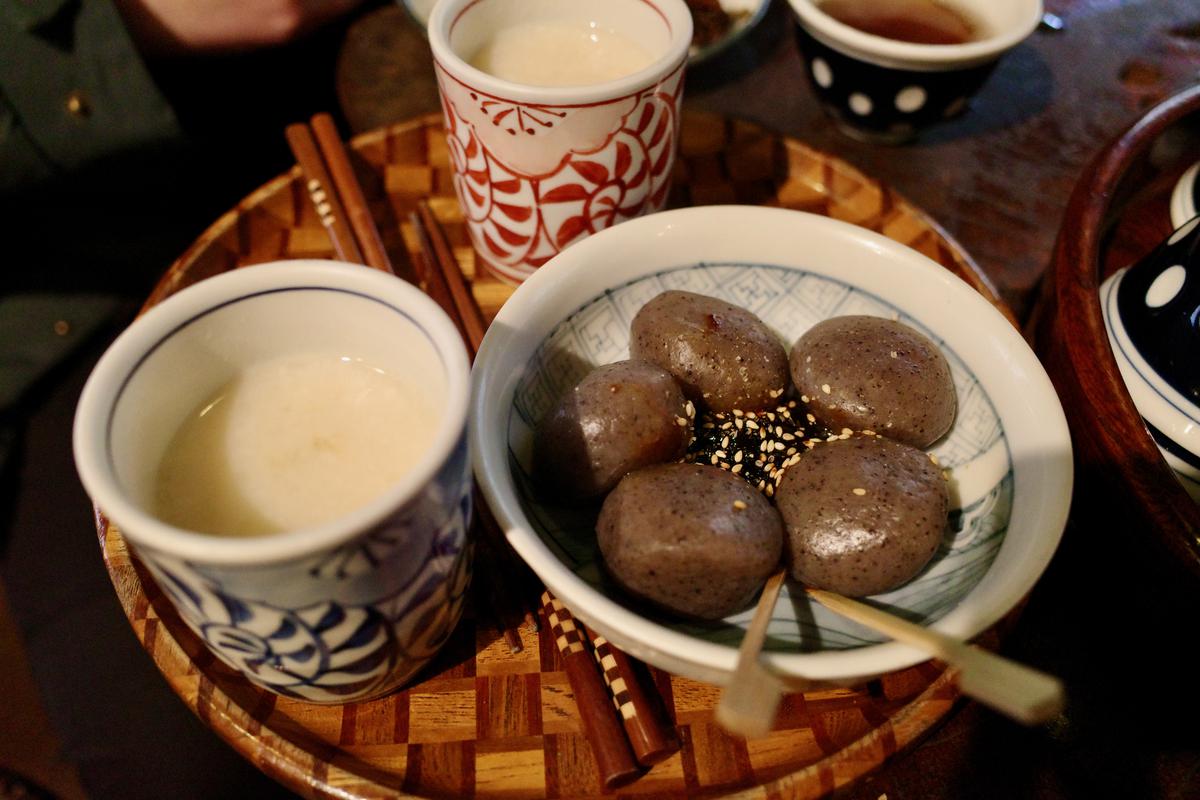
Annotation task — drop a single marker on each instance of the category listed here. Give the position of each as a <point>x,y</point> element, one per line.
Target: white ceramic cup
<point>342,610</point>
<point>539,167</point>
<point>884,90</point>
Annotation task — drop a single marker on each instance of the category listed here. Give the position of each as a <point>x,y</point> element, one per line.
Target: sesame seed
<point>740,423</point>
<point>825,388</point>
<point>736,468</point>
<point>844,436</point>
<point>720,454</point>
<point>714,460</point>
<point>779,445</point>
<point>737,456</point>
<point>810,418</point>
<point>681,422</point>
<point>933,458</point>
<point>860,492</point>
<point>751,415</point>
<point>690,409</point>
<point>737,412</point>
<point>832,439</point>
<point>869,432</point>
<point>739,505</point>
<point>770,490</point>
<point>846,431</point>
<point>725,441</point>
<point>791,450</point>
<point>787,437</point>
<point>804,397</point>
<point>894,354</point>
<point>751,424</point>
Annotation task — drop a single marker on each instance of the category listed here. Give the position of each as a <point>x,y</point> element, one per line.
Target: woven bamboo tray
<point>482,721</point>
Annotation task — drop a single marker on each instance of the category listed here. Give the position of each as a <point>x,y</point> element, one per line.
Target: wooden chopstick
<point>323,192</point>
<point>648,731</point>
<point>609,741</point>
<point>468,310</point>
<point>323,158</point>
<point>337,160</point>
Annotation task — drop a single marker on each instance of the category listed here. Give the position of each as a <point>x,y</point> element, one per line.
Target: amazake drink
<point>559,52</point>
<point>290,443</point>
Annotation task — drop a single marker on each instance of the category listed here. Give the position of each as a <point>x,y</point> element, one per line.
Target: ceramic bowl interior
<point>745,14</point>
<point>1008,452</point>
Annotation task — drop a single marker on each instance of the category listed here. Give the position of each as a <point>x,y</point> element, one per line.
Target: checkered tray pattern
<point>483,721</point>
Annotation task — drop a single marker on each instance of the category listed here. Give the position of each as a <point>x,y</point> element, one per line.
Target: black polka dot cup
<point>1152,312</point>
<point>885,90</point>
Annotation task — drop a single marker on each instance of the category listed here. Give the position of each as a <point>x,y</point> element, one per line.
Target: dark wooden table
<point>997,179</point>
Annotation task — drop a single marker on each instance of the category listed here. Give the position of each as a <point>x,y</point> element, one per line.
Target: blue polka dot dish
<point>1152,314</point>
<point>1008,454</point>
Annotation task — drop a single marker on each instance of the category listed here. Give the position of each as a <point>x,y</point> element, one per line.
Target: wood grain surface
<point>1117,214</point>
<point>483,721</point>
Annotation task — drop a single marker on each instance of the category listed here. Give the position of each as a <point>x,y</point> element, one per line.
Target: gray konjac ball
<point>690,538</point>
<point>723,355</point>
<point>863,515</point>
<point>876,374</point>
<point>619,417</point>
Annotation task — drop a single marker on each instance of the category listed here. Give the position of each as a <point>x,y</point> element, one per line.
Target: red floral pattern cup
<point>539,167</point>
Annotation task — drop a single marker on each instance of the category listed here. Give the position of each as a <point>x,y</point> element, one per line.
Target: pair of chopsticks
<point>623,717</point>
<point>622,713</point>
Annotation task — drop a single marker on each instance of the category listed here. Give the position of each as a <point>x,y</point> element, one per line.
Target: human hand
<point>181,27</point>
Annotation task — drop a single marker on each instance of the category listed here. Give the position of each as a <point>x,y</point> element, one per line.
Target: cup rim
<point>100,394</point>
<point>910,55</point>
<point>446,13</point>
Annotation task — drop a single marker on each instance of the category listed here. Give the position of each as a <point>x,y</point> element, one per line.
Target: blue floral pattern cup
<point>340,611</point>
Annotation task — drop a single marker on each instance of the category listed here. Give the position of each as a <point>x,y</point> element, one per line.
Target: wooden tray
<point>482,721</point>
<point>1119,212</point>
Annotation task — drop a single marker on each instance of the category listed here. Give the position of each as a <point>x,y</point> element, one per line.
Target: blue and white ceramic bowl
<point>340,611</point>
<point>886,90</point>
<point>1009,454</point>
<point>1152,312</point>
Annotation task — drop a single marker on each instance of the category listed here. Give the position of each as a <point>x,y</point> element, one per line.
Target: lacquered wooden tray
<point>483,721</point>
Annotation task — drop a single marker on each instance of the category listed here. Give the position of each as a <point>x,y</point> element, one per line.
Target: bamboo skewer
<point>749,701</point>
<point>1015,690</point>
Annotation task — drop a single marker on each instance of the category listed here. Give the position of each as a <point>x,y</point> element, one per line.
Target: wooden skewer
<point>1013,689</point>
<point>605,733</point>
<point>749,701</point>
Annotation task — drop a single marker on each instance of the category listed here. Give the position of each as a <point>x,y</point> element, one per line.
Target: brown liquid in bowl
<point>915,21</point>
